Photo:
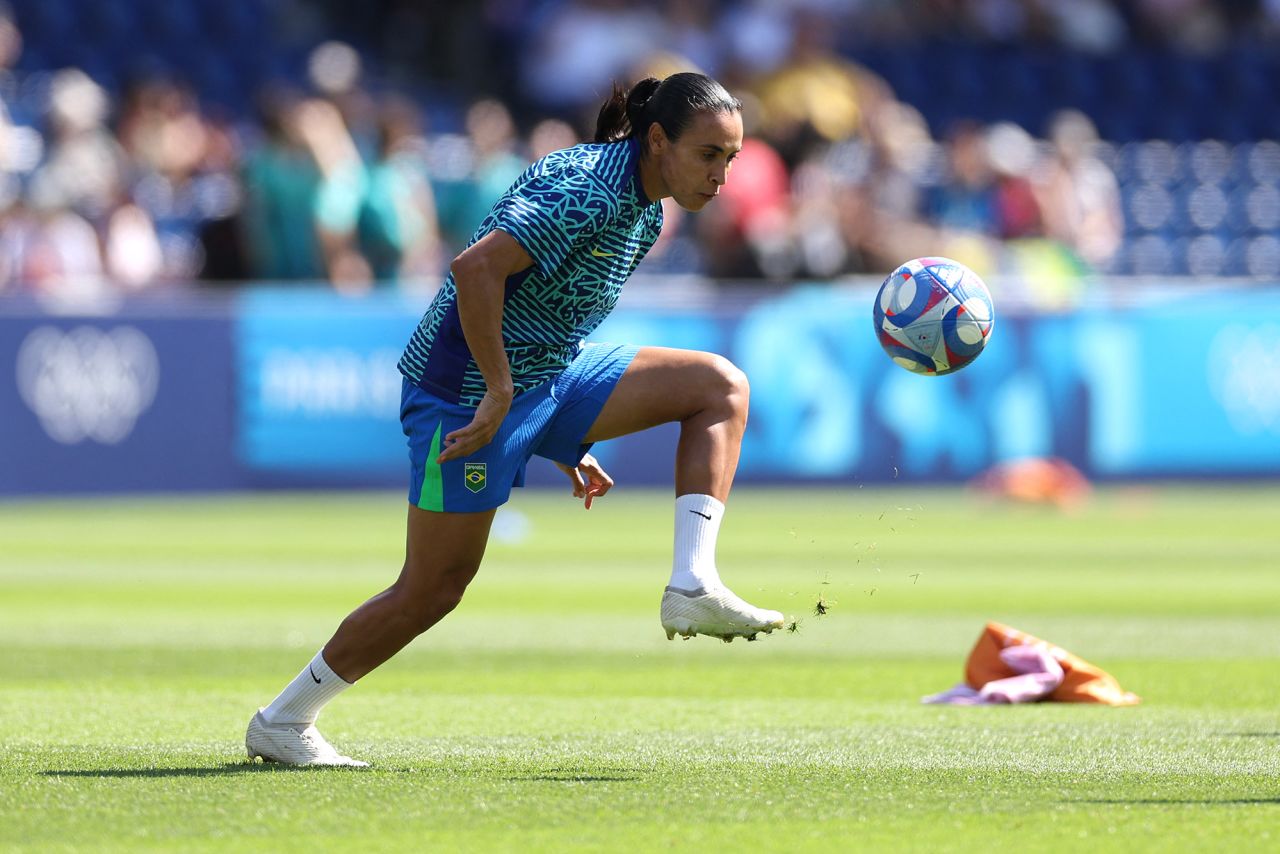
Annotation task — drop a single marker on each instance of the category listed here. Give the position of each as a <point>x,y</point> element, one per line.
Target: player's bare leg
<point>709,397</point>
<point>442,555</point>
<point>702,391</point>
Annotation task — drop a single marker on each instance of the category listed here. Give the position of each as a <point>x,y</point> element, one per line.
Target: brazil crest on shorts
<point>474,475</point>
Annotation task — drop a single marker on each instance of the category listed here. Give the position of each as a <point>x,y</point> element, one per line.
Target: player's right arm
<point>480,276</point>
<point>533,229</point>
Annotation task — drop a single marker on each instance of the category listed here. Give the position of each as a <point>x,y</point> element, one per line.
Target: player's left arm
<point>589,479</point>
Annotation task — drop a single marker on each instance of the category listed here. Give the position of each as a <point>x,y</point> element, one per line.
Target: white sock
<point>303,698</point>
<point>697,524</point>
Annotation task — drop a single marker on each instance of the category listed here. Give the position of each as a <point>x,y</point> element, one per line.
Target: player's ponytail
<point>671,103</point>
<point>624,111</point>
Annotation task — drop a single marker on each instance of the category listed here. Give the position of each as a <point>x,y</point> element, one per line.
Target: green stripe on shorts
<point>432,496</point>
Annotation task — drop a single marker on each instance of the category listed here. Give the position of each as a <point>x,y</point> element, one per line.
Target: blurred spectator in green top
<point>281,184</point>
<point>397,230</point>
<point>497,162</point>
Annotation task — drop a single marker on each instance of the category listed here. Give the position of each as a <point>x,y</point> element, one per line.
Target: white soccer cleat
<point>717,612</point>
<point>293,744</point>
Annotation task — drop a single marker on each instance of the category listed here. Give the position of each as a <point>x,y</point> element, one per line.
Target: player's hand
<point>483,427</point>
<point>589,479</point>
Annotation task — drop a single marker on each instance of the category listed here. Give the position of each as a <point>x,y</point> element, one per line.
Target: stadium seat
<point>1262,257</point>
<point>1264,161</point>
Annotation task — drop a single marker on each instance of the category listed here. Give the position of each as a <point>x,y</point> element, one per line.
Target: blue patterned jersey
<point>582,216</point>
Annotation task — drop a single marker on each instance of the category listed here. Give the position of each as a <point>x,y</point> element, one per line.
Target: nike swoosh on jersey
<point>596,252</point>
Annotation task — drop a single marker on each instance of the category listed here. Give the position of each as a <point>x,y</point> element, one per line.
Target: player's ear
<point>657,138</point>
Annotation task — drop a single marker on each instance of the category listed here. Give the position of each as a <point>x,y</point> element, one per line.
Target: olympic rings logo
<point>87,383</point>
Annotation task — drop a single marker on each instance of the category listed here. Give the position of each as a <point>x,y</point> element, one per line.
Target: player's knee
<point>448,598</point>
<point>422,608</point>
<point>731,386</point>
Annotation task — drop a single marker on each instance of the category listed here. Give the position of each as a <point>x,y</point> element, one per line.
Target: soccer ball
<point>933,316</point>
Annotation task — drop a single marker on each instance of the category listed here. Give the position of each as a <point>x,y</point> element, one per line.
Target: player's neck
<point>651,181</point>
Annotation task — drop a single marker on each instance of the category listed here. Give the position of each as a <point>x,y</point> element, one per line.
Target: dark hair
<point>671,103</point>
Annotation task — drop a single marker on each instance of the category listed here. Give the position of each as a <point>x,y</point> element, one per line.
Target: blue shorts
<point>549,421</point>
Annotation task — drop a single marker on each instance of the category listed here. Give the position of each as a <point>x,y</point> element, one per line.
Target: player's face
<point>694,167</point>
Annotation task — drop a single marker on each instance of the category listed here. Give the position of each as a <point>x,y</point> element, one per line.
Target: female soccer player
<point>497,372</point>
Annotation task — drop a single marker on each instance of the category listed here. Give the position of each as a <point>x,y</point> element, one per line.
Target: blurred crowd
<point>338,176</point>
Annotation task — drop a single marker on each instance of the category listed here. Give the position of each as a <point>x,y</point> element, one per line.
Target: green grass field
<point>551,713</point>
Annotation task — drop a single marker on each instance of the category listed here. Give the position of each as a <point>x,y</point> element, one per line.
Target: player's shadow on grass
<point>1197,801</point>
<point>554,775</point>
<point>572,778</point>
<point>202,771</point>
<point>567,775</point>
